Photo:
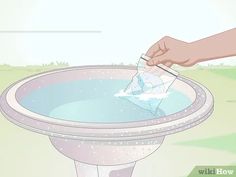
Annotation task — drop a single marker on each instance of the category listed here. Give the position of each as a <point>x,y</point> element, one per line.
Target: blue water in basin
<point>94,101</point>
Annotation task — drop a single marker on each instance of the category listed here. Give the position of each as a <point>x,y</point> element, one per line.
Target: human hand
<point>169,51</point>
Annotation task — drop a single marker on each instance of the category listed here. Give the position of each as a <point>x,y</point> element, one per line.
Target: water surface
<point>94,101</point>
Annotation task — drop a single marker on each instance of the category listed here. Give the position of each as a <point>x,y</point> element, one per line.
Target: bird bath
<point>104,135</point>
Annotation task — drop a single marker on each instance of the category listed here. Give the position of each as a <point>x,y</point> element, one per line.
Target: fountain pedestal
<point>111,159</point>
<point>86,170</point>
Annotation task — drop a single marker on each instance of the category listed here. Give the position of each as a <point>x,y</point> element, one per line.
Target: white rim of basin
<point>197,112</point>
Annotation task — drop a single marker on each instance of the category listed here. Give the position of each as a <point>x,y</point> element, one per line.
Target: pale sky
<point>127,28</point>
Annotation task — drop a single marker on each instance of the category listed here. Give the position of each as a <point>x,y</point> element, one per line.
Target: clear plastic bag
<point>149,86</point>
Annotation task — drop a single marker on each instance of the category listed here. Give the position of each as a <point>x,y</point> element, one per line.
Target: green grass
<point>228,72</point>
<point>223,143</point>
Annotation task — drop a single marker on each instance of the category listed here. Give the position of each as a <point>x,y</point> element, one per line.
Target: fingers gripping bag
<point>149,86</point>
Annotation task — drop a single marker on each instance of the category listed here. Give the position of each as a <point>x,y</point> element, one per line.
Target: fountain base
<point>86,170</point>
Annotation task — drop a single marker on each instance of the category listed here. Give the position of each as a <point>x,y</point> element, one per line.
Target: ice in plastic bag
<point>149,86</point>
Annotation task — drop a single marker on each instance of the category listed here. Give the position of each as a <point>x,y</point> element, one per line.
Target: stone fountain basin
<point>104,143</point>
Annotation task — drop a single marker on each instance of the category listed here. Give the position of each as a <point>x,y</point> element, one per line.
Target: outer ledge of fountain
<point>203,103</point>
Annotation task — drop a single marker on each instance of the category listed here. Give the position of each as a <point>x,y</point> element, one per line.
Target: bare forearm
<point>213,47</point>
